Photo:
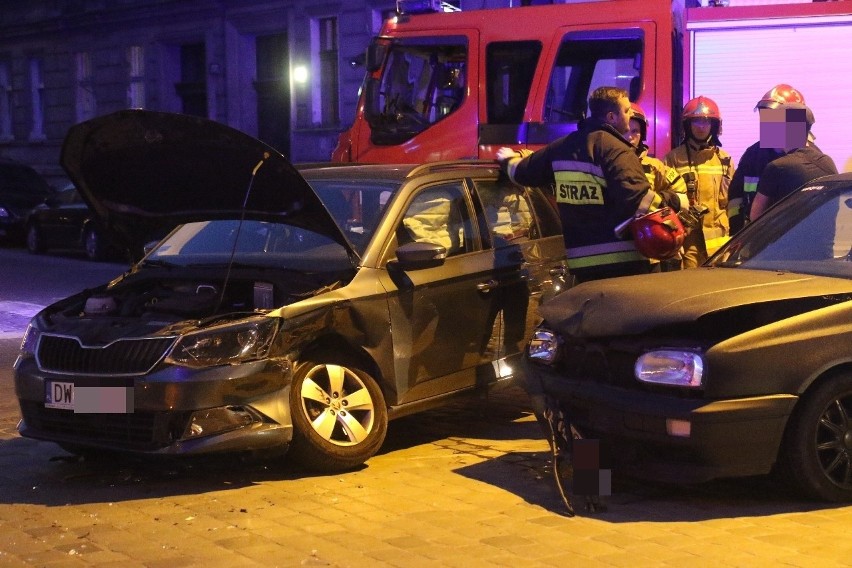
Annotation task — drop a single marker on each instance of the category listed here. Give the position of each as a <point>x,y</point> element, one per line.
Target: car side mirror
<point>414,256</point>
<point>418,255</point>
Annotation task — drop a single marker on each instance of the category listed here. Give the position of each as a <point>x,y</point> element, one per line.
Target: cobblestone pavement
<point>466,486</point>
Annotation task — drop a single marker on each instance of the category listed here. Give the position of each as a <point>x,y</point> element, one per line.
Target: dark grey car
<point>287,309</point>
<point>740,367</point>
<point>21,189</point>
<point>64,221</point>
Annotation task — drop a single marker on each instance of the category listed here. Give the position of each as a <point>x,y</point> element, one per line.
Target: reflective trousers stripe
<point>713,245</point>
<point>603,254</point>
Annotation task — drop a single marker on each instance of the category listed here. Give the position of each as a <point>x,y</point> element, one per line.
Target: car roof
<point>393,172</point>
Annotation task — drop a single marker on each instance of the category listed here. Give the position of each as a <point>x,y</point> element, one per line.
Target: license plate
<point>59,395</point>
<point>88,399</point>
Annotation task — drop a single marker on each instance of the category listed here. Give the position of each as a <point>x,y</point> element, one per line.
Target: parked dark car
<point>64,221</point>
<point>288,310</point>
<point>738,368</point>
<point>21,189</point>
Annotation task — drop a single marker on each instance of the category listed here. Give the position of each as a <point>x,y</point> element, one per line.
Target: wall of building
<point>63,61</point>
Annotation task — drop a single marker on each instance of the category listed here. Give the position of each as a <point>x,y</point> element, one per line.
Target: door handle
<point>487,286</point>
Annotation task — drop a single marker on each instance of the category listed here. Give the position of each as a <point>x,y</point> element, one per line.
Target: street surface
<point>466,486</point>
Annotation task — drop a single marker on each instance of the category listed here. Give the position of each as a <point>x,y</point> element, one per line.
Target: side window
<point>440,216</point>
<point>507,212</point>
<point>421,84</point>
<point>588,60</point>
<point>510,69</point>
<point>545,211</point>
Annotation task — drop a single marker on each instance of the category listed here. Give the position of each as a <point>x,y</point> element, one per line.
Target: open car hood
<point>637,304</point>
<point>145,172</point>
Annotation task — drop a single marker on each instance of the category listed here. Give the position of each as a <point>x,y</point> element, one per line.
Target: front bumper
<point>726,438</point>
<point>171,411</point>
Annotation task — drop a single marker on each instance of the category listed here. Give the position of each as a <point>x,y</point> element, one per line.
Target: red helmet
<point>640,115</point>
<point>703,107</point>
<point>778,95</point>
<point>658,234</point>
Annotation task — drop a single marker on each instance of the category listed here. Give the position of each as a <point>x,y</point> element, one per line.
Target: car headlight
<point>670,367</point>
<point>543,347</point>
<point>30,340</point>
<point>226,344</point>
<point>4,213</point>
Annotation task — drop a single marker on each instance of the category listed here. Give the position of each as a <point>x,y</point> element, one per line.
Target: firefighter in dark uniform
<point>599,184</point>
<point>799,163</point>
<point>753,161</point>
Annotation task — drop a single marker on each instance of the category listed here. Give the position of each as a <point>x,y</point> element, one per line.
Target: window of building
<point>136,85</point>
<point>192,88</point>
<point>5,102</point>
<point>273,91</point>
<point>85,99</point>
<point>37,98</point>
<point>325,98</point>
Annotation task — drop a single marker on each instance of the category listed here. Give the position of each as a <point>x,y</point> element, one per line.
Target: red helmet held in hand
<point>778,95</point>
<point>658,234</point>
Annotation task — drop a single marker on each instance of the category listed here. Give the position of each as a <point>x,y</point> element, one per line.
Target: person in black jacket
<point>756,157</point>
<point>800,163</point>
<point>598,183</point>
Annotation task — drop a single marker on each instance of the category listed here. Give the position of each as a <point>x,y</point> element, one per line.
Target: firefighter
<point>707,171</point>
<point>599,185</point>
<point>799,163</point>
<point>756,157</point>
<point>660,176</point>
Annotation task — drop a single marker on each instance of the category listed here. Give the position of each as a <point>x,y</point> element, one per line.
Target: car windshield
<point>808,233</point>
<point>249,243</point>
<point>356,205</point>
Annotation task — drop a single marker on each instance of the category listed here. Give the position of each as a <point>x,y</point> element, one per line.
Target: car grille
<point>134,431</point>
<point>601,362</point>
<point>60,354</point>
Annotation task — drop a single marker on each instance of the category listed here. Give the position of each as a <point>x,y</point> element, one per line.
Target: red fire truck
<point>461,85</point>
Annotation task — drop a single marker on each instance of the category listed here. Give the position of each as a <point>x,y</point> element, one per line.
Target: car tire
<point>35,242</point>
<point>339,416</point>
<point>93,244</point>
<point>817,452</point>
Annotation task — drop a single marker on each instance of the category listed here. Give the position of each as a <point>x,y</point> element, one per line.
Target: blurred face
<point>700,128</point>
<point>783,128</point>
<point>620,120</point>
<point>634,134</point>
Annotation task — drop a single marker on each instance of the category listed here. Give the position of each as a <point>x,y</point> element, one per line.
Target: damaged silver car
<point>738,368</point>
<point>287,309</point>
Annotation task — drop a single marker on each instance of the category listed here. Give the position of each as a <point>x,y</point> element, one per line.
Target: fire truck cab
<point>443,86</point>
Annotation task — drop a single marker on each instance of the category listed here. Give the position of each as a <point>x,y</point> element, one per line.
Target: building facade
<point>285,71</point>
